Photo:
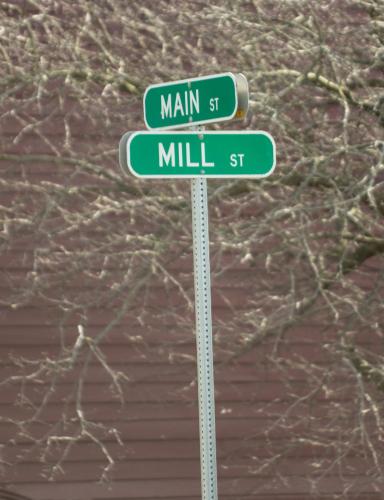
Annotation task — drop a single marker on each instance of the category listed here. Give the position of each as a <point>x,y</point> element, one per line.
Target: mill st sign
<point>198,154</point>
<point>196,101</point>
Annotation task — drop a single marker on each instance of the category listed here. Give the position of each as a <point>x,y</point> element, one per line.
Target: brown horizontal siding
<point>296,342</point>
<point>181,428</point>
<point>223,297</point>
<point>182,350</point>
<point>131,470</point>
<point>150,411</point>
<point>131,335</point>
<point>21,256</point>
<point>54,125</point>
<point>171,489</point>
<point>149,391</point>
<point>169,333</point>
<point>163,371</point>
<point>228,449</point>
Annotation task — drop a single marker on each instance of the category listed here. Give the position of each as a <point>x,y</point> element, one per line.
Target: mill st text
<point>178,154</point>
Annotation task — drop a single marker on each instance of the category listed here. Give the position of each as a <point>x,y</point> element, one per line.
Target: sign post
<point>205,378</point>
<point>198,155</point>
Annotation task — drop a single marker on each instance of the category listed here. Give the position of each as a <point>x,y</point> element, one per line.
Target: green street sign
<point>196,101</point>
<point>198,154</point>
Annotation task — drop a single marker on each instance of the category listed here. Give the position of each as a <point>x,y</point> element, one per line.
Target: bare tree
<point>96,248</point>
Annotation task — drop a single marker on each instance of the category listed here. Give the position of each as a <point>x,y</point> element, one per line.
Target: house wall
<point>290,416</point>
<point>269,421</point>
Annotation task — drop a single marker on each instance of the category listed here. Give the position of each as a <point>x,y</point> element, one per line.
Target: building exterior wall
<point>98,395</point>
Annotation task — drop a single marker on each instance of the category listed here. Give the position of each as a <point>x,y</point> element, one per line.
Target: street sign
<point>198,154</point>
<point>196,101</point>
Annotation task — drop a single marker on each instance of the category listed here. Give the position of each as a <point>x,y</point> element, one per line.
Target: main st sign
<point>198,154</point>
<point>196,101</point>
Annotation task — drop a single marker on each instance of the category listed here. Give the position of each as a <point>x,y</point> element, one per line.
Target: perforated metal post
<point>204,339</point>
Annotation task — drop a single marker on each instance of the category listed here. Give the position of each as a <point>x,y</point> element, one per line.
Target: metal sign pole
<point>225,154</point>
<point>204,339</point>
